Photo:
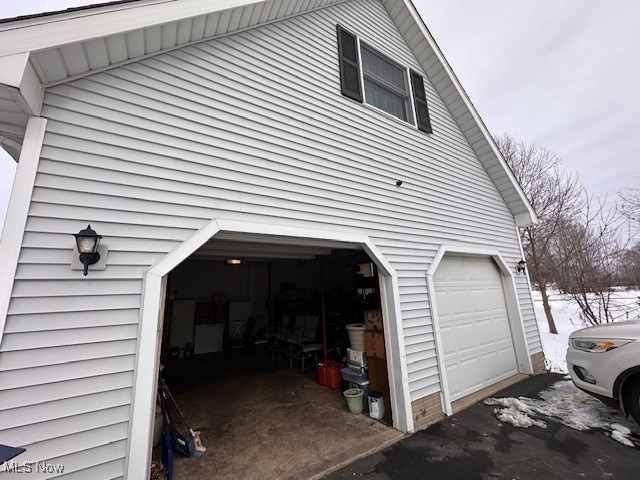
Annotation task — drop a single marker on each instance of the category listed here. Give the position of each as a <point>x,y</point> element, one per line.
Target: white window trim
<point>407,79</point>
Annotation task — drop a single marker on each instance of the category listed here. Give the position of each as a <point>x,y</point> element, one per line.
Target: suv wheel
<point>632,400</point>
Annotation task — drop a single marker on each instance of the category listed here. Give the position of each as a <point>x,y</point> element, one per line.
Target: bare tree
<point>630,266</point>
<point>630,207</point>
<point>587,250</point>
<point>554,196</point>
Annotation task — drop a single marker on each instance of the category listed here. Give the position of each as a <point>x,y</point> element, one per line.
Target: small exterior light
<point>233,261</point>
<point>87,241</point>
<point>521,267</point>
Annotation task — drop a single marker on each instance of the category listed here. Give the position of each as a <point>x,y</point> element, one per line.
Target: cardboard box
<point>373,320</point>
<point>374,344</point>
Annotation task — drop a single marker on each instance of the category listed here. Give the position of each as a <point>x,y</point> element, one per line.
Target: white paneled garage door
<point>474,327</point>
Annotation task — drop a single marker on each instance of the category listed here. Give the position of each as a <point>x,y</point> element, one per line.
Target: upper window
<point>386,85</point>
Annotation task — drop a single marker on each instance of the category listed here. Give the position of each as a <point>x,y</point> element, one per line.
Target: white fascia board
<point>22,82</point>
<point>16,220</point>
<point>525,218</point>
<point>65,29</point>
<point>13,68</point>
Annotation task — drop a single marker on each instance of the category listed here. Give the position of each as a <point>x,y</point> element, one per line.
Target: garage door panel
<point>472,373</point>
<point>478,300</point>
<point>442,301</point>
<point>448,342</point>
<point>484,334</point>
<point>494,299</point>
<point>475,331</point>
<point>455,270</point>
<point>475,270</point>
<point>464,337</point>
<point>459,302</point>
<point>453,378</point>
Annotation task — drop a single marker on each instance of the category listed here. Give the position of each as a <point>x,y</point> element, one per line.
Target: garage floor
<point>260,421</point>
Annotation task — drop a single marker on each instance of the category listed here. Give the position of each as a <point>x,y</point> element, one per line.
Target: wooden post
<point>325,353</point>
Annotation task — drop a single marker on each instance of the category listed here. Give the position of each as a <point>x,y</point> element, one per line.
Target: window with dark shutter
<point>420,102</point>
<point>349,65</point>
<point>385,84</point>
<point>369,76</point>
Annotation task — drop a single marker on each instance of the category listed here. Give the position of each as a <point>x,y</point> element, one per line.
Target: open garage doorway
<point>253,394</point>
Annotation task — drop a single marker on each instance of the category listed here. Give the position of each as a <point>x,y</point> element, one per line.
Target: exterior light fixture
<point>87,241</point>
<point>521,267</point>
<point>233,261</point>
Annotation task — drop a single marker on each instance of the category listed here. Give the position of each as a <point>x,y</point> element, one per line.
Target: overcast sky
<point>562,73</point>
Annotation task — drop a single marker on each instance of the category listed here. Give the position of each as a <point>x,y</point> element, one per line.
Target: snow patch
<point>515,412</point>
<point>563,401</point>
<point>620,433</point>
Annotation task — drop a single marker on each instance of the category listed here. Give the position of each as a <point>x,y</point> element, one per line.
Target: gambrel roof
<point>45,50</point>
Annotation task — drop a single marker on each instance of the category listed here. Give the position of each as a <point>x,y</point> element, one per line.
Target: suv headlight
<point>597,345</point>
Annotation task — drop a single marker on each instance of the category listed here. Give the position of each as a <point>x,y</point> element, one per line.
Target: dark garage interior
<point>256,352</point>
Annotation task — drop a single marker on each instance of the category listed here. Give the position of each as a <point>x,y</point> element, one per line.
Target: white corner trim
<point>180,254</point>
<point>397,368</point>
<point>511,302</point>
<point>145,378</point>
<point>150,327</point>
<point>444,383</point>
<point>18,211</point>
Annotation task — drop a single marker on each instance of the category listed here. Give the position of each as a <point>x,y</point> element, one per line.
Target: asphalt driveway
<point>474,444</point>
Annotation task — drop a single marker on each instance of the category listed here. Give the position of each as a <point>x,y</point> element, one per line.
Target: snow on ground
<point>563,401</point>
<point>574,408</point>
<point>566,315</point>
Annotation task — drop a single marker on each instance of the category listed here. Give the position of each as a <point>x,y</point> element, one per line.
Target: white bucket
<point>356,336</point>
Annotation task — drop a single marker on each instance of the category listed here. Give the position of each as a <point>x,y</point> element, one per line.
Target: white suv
<point>605,361</point>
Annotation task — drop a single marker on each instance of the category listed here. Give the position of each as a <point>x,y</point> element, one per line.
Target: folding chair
<point>307,344</point>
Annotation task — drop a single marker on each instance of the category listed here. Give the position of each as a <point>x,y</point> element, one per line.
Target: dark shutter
<point>349,65</point>
<point>420,101</point>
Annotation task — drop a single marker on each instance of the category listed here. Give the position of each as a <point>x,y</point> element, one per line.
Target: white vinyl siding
<point>251,127</point>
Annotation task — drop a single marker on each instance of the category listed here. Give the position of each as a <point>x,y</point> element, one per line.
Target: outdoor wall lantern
<point>521,267</point>
<point>87,241</point>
